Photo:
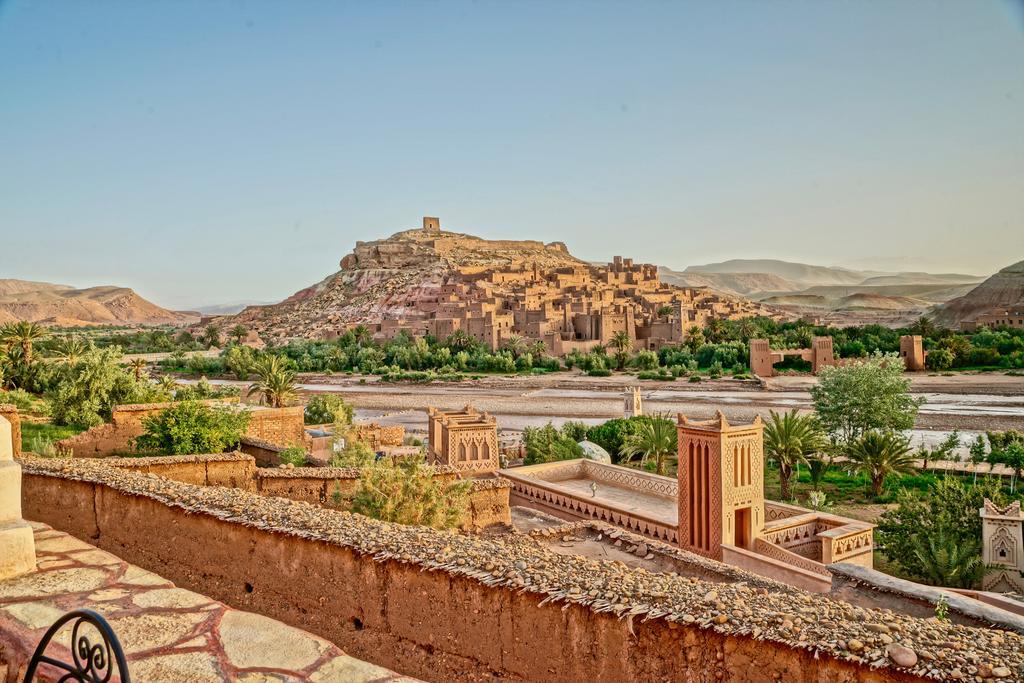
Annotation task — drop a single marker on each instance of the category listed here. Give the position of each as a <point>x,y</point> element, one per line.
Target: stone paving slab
<point>169,634</point>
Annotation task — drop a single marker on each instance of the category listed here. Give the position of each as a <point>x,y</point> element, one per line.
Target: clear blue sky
<point>204,152</point>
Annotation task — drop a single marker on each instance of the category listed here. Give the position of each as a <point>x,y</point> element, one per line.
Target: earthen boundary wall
<point>438,621</point>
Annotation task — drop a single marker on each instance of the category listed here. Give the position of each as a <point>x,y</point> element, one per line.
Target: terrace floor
<point>622,498</point>
<point>169,634</point>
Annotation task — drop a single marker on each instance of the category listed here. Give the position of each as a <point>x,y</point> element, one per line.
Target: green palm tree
<point>211,335</point>
<point>655,438</point>
<point>948,560</point>
<point>69,350</point>
<point>515,345</point>
<point>622,344</point>
<point>538,350</point>
<point>276,383</point>
<point>788,440</point>
<point>138,366</point>
<point>167,384</point>
<point>22,333</point>
<point>239,332</point>
<point>361,334</point>
<point>879,454</point>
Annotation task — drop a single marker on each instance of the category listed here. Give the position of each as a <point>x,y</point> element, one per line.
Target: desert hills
<point>833,295</point>
<point>65,306</point>
<point>1002,291</point>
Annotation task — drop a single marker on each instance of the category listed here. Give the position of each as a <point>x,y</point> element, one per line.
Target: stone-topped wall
<point>234,470</point>
<point>282,426</point>
<point>445,606</point>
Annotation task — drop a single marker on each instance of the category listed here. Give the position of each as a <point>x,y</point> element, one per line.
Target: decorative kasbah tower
<point>1002,539</point>
<point>634,403</point>
<point>464,439</point>
<point>721,484</point>
<point>17,548</point>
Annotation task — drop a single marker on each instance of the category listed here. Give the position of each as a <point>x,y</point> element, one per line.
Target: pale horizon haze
<point>211,152</point>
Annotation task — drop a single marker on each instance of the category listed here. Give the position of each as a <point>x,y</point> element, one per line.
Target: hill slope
<point>1003,290</point>
<point>801,274</point>
<point>62,305</point>
<point>745,284</point>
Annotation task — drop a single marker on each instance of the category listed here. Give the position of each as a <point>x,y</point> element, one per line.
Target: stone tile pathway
<point>169,634</point>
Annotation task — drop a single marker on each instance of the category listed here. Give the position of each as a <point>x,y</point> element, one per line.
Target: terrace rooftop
<point>168,633</point>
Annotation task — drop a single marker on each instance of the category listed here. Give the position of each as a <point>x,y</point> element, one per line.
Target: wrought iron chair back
<point>91,662</point>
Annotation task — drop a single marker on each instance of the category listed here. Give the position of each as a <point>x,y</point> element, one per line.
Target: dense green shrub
<point>192,427</point>
<point>405,491</point>
<point>548,444</point>
<point>84,393</point>
<point>949,507</point>
<point>324,408</point>
<point>293,455</point>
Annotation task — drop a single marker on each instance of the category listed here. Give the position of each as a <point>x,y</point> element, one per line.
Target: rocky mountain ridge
<point>52,304</point>
<point>1003,291</point>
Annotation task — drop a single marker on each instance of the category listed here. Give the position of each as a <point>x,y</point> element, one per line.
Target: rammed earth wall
<point>488,498</point>
<point>446,606</point>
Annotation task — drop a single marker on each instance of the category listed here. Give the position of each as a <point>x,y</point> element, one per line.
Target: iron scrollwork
<point>91,662</point>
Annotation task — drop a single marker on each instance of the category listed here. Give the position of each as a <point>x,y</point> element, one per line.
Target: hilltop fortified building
<point>430,281</point>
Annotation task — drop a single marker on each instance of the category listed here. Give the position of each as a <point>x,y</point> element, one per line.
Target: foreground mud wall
<point>436,605</point>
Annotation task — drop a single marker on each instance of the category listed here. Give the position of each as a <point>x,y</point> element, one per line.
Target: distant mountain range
<point>834,295</point>
<point>54,304</point>
<point>231,307</point>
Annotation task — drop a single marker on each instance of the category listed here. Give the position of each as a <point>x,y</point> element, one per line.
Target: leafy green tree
<point>324,408</point>
<point>575,430</point>
<point>276,382</point>
<point>939,359</point>
<point>945,450</point>
<point>789,439</point>
<point>622,344</point>
<point>879,454</point>
<point>863,395</point>
<point>655,439</point>
<point>1011,455</point>
<point>645,360</point>
<point>406,491</point>
<point>84,393</point>
<point>548,444</point>
<point>240,360</point>
<point>238,332</point>
<point>949,560</point>
<point>189,427</point>
<point>978,453</point>
<point>949,507</point>
<point>664,311</point>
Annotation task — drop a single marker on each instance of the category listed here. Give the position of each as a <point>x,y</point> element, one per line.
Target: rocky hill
<point>1004,290</point>
<point>52,304</point>
<point>396,279</point>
